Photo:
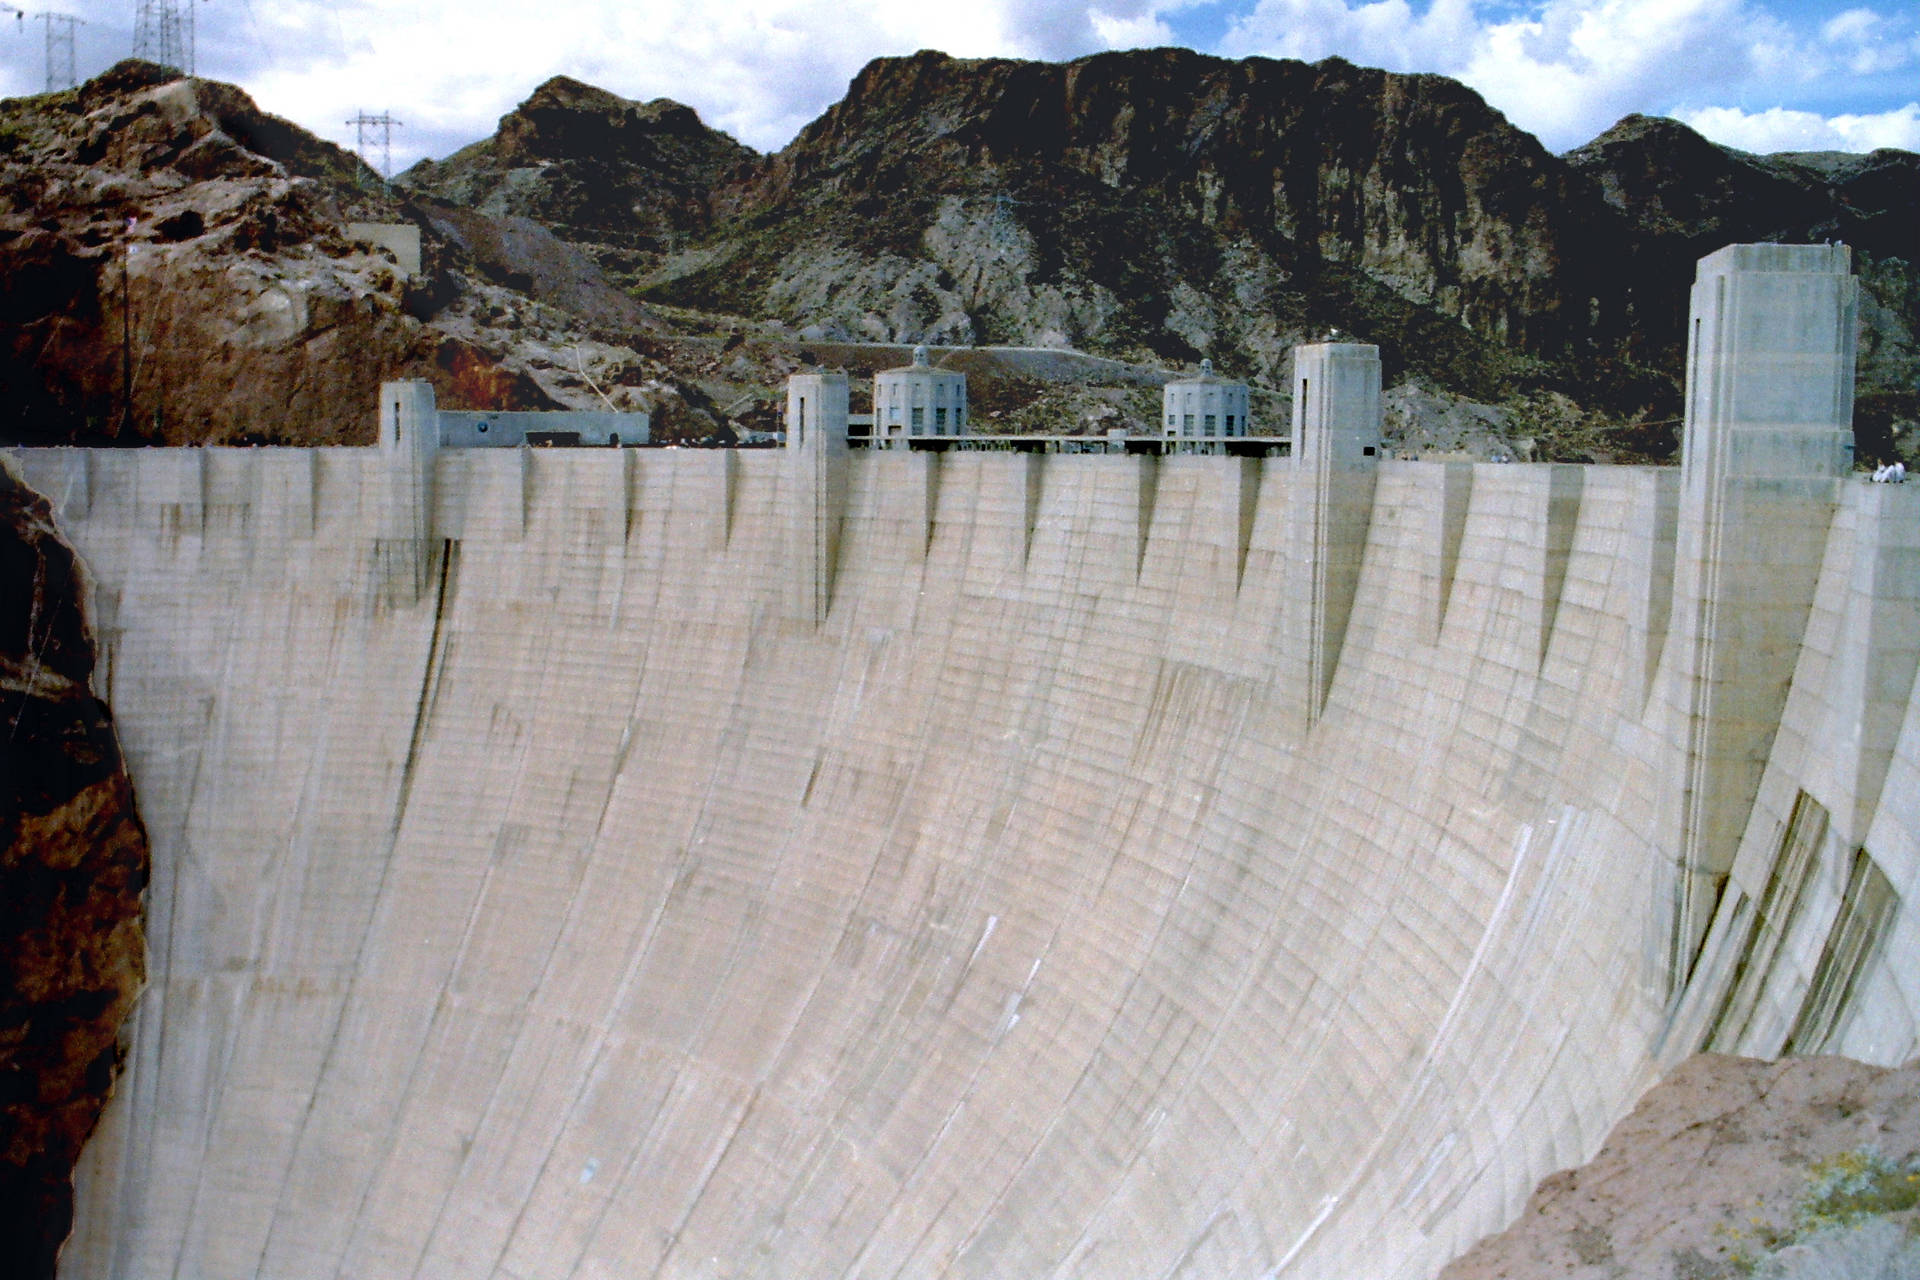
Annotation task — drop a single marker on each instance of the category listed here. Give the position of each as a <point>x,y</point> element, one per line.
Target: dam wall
<point>1045,887</point>
<point>590,913</point>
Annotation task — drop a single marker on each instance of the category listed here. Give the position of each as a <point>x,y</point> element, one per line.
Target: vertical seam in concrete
<point>1246,476</point>
<point>1034,478</point>
<point>932,468</point>
<point>429,681</point>
<point>1456,500</point>
<point>166,974</point>
<point>1147,491</point>
<point>1661,581</point>
<point>629,491</point>
<point>1565,487</point>
<point>729,494</point>
<point>346,1002</point>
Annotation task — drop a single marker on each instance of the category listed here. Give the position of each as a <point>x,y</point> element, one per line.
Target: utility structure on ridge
<point>163,33</point>
<point>363,126</point>
<point>59,29</point>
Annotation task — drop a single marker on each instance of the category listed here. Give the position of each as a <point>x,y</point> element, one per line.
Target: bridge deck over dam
<point>1099,880</point>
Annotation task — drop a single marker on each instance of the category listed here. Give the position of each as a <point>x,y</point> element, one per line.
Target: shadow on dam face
<point>1134,867</point>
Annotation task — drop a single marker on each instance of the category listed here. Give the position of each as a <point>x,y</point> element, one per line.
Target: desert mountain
<point>175,266</point>
<point>73,865</point>
<point>1161,205</point>
<point>1166,202</point>
<point>1684,197</point>
<point>625,180</point>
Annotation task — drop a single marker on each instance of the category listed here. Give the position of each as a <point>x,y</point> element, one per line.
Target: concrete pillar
<point>409,446</point>
<point>1235,485</point>
<point>1649,550</point>
<point>1445,511</point>
<point>1876,656</point>
<point>1768,437</point>
<point>1336,457</point>
<point>817,470</point>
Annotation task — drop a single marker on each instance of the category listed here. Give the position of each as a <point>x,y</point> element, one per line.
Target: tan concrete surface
<point>593,911</point>
<point>591,915</point>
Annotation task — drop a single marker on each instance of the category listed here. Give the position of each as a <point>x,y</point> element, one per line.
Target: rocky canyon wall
<point>73,863</point>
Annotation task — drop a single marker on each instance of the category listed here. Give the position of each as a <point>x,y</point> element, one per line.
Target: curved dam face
<point>1096,880</point>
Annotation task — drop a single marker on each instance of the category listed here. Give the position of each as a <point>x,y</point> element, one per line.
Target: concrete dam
<point>795,863</point>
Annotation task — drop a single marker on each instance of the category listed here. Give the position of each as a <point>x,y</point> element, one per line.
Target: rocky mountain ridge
<point>1169,168</point>
<point>622,179</point>
<point>73,864</point>
<point>1684,197</point>
<point>1164,205</point>
<point>176,266</point>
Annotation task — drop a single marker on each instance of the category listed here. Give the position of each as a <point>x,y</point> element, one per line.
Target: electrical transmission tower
<point>60,72</point>
<point>163,33</point>
<point>377,130</point>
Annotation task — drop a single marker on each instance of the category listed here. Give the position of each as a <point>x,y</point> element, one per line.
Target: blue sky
<point>1763,75</point>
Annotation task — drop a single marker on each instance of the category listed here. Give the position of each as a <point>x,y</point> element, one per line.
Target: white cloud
<point>759,69</point>
<point>1868,43</point>
<point>449,68</point>
<point>1142,31</point>
<point>1567,69</point>
<point>1778,129</point>
<point>1385,33</point>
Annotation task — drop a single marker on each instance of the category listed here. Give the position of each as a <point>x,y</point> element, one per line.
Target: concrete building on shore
<point>918,400</point>
<point>1205,407</point>
<point>808,862</point>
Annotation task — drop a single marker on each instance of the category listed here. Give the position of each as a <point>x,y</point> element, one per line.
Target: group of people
<point>1892,473</point>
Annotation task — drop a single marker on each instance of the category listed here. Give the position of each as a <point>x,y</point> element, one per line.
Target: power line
<point>163,33</point>
<point>60,70</point>
<point>253,25</point>
<point>364,131</point>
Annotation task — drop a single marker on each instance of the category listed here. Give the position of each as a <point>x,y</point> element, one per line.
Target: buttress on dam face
<point>803,863</point>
